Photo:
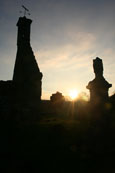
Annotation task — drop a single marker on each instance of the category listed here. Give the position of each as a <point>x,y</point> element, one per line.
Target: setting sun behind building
<point>73,94</point>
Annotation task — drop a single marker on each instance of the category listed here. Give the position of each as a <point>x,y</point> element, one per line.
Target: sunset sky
<point>66,35</point>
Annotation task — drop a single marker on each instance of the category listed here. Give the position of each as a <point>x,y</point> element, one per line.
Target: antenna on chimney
<point>26,11</point>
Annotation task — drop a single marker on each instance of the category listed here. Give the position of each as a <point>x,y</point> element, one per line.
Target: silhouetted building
<point>57,97</point>
<point>6,93</point>
<point>27,76</point>
<point>99,86</point>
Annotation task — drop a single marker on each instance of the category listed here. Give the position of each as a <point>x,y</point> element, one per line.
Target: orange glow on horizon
<point>73,94</point>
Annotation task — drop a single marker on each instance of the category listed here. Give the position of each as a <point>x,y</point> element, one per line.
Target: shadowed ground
<point>59,143</point>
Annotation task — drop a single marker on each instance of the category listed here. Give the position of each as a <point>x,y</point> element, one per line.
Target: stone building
<point>27,76</point>
<point>57,98</point>
<point>99,86</point>
<point>26,85</point>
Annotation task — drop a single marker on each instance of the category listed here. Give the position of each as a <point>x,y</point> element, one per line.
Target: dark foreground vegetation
<point>74,137</point>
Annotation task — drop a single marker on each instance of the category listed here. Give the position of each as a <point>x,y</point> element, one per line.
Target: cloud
<point>69,54</point>
<point>66,64</point>
<point>70,63</point>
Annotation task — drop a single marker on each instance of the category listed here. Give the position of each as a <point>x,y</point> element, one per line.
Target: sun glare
<point>73,94</point>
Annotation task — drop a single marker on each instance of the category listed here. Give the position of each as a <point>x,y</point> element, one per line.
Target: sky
<point>66,35</point>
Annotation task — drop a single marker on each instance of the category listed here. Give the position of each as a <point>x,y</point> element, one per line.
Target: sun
<point>73,94</point>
